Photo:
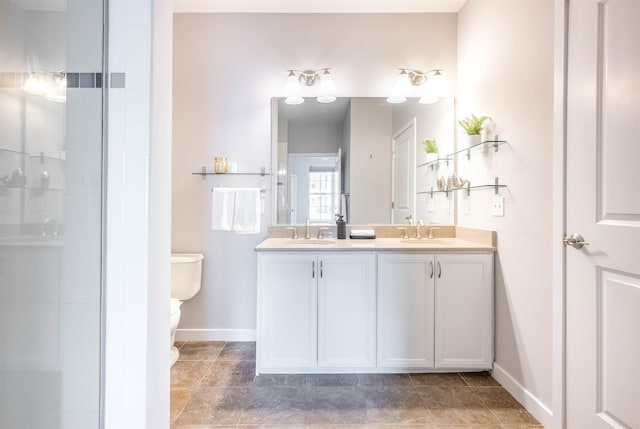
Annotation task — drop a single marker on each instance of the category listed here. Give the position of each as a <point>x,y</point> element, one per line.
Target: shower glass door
<point>50,213</point>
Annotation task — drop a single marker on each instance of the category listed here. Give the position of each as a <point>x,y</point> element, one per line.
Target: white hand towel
<point>246,215</point>
<point>222,206</point>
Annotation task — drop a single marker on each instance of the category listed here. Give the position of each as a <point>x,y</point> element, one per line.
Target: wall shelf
<point>437,162</point>
<point>467,188</point>
<point>495,144</point>
<point>13,152</point>
<point>45,157</point>
<point>204,173</point>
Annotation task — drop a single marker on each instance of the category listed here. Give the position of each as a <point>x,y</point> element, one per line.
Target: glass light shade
<point>294,100</point>
<point>437,85</point>
<point>327,88</point>
<point>402,88</point>
<point>292,90</point>
<point>396,99</point>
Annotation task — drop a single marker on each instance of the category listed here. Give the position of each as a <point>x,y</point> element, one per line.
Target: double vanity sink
<point>376,305</point>
<point>449,239</point>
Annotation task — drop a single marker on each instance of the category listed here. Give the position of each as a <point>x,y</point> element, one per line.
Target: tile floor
<point>213,386</point>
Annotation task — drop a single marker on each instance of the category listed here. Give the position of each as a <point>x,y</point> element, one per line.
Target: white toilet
<point>186,279</point>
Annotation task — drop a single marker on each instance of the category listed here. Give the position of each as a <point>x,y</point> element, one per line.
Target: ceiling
<point>317,6</point>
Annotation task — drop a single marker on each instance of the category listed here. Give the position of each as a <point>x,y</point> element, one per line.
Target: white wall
<point>313,137</point>
<point>370,152</point>
<point>505,63</point>
<point>226,69</point>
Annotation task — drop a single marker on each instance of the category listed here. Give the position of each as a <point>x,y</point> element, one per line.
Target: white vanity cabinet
<point>463,310</point>
<point>435,311</point>
<point>287,311</point>
<point>405,310</point>
<point>315,311</point>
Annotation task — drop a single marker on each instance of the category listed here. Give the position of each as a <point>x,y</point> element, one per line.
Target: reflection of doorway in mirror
<point>403,182</point>
<point>315,187</point>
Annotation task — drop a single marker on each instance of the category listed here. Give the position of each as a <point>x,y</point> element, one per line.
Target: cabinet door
<point>346,310</point>
<point>464,311</point>
<point>287,311</point>
<point>405,310</point>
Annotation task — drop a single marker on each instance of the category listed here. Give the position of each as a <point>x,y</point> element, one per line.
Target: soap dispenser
<point>341,226</point>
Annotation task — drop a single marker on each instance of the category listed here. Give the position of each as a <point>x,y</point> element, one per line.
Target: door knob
<point>574,240</point>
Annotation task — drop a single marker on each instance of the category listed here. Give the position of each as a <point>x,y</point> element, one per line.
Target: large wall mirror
<point>361,157</point>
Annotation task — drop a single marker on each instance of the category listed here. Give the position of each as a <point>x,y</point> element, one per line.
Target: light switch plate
<point>431,206</point>
<point>497,206</point>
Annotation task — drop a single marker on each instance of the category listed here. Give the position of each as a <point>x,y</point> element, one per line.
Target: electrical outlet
<point>431,206</point>
<point>497,206</point>
<point>465,205</point>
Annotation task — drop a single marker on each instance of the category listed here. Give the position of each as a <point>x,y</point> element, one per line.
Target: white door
<point>403,182</point>
<point>603,205</point>
<point>347,310</point>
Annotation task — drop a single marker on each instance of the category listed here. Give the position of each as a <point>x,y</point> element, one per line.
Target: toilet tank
<point>186,275</point>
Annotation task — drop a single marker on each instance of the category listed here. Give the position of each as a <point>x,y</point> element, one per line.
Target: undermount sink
<point>427,242</point>
<point>309,242</point>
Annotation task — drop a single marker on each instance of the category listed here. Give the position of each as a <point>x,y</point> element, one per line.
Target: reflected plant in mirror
<point>360,157</point>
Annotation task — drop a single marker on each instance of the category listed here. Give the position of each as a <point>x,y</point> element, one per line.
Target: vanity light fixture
<point>432,80</point>
<point>296,79</point>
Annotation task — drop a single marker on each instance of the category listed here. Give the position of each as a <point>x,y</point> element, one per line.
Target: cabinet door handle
<point>313,269</point>
<point>431,266</point>
<point>439,270</point>
<point>321,269</point>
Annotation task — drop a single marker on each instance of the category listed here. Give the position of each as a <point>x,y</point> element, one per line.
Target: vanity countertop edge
<point>464,239</point>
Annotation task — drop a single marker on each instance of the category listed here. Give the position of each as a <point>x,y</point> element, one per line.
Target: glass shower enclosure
<point>51,164</point>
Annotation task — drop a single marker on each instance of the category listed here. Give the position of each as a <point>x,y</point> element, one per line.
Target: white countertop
<point>445,244</point>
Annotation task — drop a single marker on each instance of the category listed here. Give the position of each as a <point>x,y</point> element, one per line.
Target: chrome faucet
<point>307,232</point>
<point>419,226</point>
<point>409,219</point>
<point>435,228</point>
<point>321,233</point>
<point>405,234</point>
<point>294,234</point>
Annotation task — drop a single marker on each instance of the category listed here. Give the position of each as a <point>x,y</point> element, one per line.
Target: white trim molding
<point>534,405</point>
<point>215,335</point>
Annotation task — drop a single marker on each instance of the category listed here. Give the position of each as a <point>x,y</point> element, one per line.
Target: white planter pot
<point>432,157</point>
<point>474,140</point>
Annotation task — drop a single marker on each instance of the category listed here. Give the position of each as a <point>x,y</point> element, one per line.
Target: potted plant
<point>431,148</point>
<point>473,127</point>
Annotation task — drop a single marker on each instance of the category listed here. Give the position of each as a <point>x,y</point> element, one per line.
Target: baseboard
<point>535,406</point>
<point>216,335</point>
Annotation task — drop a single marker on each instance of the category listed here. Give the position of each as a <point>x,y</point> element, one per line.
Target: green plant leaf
<point>473,125</point>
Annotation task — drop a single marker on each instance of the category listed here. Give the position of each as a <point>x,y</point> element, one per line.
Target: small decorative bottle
<point>341,226</point>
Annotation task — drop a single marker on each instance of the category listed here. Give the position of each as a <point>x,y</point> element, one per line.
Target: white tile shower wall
<point>137,299</point>
<point>506,71</point>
